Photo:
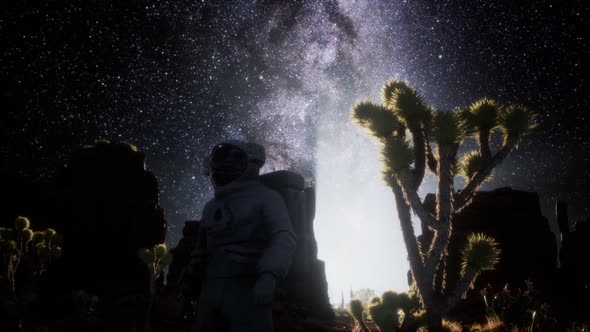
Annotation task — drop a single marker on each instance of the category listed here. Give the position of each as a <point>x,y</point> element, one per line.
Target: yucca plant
<point>451,326</point>
<point>21,242</point>
<point>391,309</point>
<point>482,118</point>
<point>357,310</point>
<point>434,142</point>
<point>25,255</point>
<point>156,259</point>
<point>470,163</point>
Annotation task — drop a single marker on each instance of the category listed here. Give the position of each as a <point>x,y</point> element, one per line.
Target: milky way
<point>175,77</point>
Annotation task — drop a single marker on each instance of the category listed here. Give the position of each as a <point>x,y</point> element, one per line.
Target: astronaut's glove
<point>264,289</point>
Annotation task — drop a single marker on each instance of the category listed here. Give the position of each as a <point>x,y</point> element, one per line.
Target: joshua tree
<point>25,255</point>
<point>21,243</point>
<point>357,310</point>
<point>434,138</point>
<point>156,259</point>
<point>391,310</point>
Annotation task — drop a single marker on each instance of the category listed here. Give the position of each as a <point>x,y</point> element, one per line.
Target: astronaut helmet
<point>234,160</point>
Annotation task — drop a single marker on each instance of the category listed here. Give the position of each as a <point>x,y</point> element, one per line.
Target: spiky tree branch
<point>357,309</point>
<point>466,194</point>
<point>415,256</point>
<point>484,145</point>
<point>409,107</point>
<point>463,285</point>
<point>440,281</point>
<point>444,206</point>
<point>431,159</point>
<point>482,116</point>
<point>411,196</point>
<point>419,140</point>
<point>480,253</point>
<point>408,233</point>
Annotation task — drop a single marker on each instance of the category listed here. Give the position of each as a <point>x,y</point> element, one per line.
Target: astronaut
<point>246,244</point>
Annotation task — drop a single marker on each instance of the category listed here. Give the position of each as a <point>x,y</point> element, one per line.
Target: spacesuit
<point>246,244</point>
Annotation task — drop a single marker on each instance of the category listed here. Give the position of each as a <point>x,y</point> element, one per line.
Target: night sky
<point>175,77</point>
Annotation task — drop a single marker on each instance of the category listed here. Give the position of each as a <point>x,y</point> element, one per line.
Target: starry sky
<point>175,77</point>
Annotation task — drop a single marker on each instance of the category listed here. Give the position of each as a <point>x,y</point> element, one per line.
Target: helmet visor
<point>227,163</point>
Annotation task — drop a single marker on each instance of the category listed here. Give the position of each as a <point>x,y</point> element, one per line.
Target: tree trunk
<point>148,315</point>
<point>364,326</point>
<point>460,291</point>
<point>431,159</point>
<point>444,206</point>
<point>412,246</point>
<point>484,145</point>
<point>434,322</point>
<point>440,282</point>
<point>361,321</point>
<point>419,141</point>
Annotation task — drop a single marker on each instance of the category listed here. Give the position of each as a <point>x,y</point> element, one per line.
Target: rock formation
<point>109,209</point>
<point>514,219</point>
<point>306,284</point>
<point>574,274</point>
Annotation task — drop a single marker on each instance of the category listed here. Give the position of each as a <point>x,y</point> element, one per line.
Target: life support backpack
<point>306,279</point>
<point>300,203</point>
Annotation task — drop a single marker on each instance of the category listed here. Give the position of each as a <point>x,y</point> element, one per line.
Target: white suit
<point>246,243</point>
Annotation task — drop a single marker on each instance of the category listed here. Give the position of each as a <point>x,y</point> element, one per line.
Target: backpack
<point>306,279</point>
<point>300,203</point>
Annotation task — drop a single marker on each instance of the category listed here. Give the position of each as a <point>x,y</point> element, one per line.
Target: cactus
<point>404,162</point>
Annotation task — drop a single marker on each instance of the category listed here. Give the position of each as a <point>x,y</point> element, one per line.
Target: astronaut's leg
<point>262,315</point>
<point>238,305</point>
<point>210,317</point>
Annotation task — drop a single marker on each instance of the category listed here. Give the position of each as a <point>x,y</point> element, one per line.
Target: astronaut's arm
<point>193,274</point>
<point>278,254</point>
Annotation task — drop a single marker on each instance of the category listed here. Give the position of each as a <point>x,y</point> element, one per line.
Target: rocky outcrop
<point>574,273</point>
<point>108,209</point>
<point>514,219</point>
<point>306,285</point>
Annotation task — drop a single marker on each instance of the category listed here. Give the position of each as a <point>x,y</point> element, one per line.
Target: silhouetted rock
<point>109,209</point>
<point>574,273</point>
<point>514,219</point>
<point>306,283</point>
